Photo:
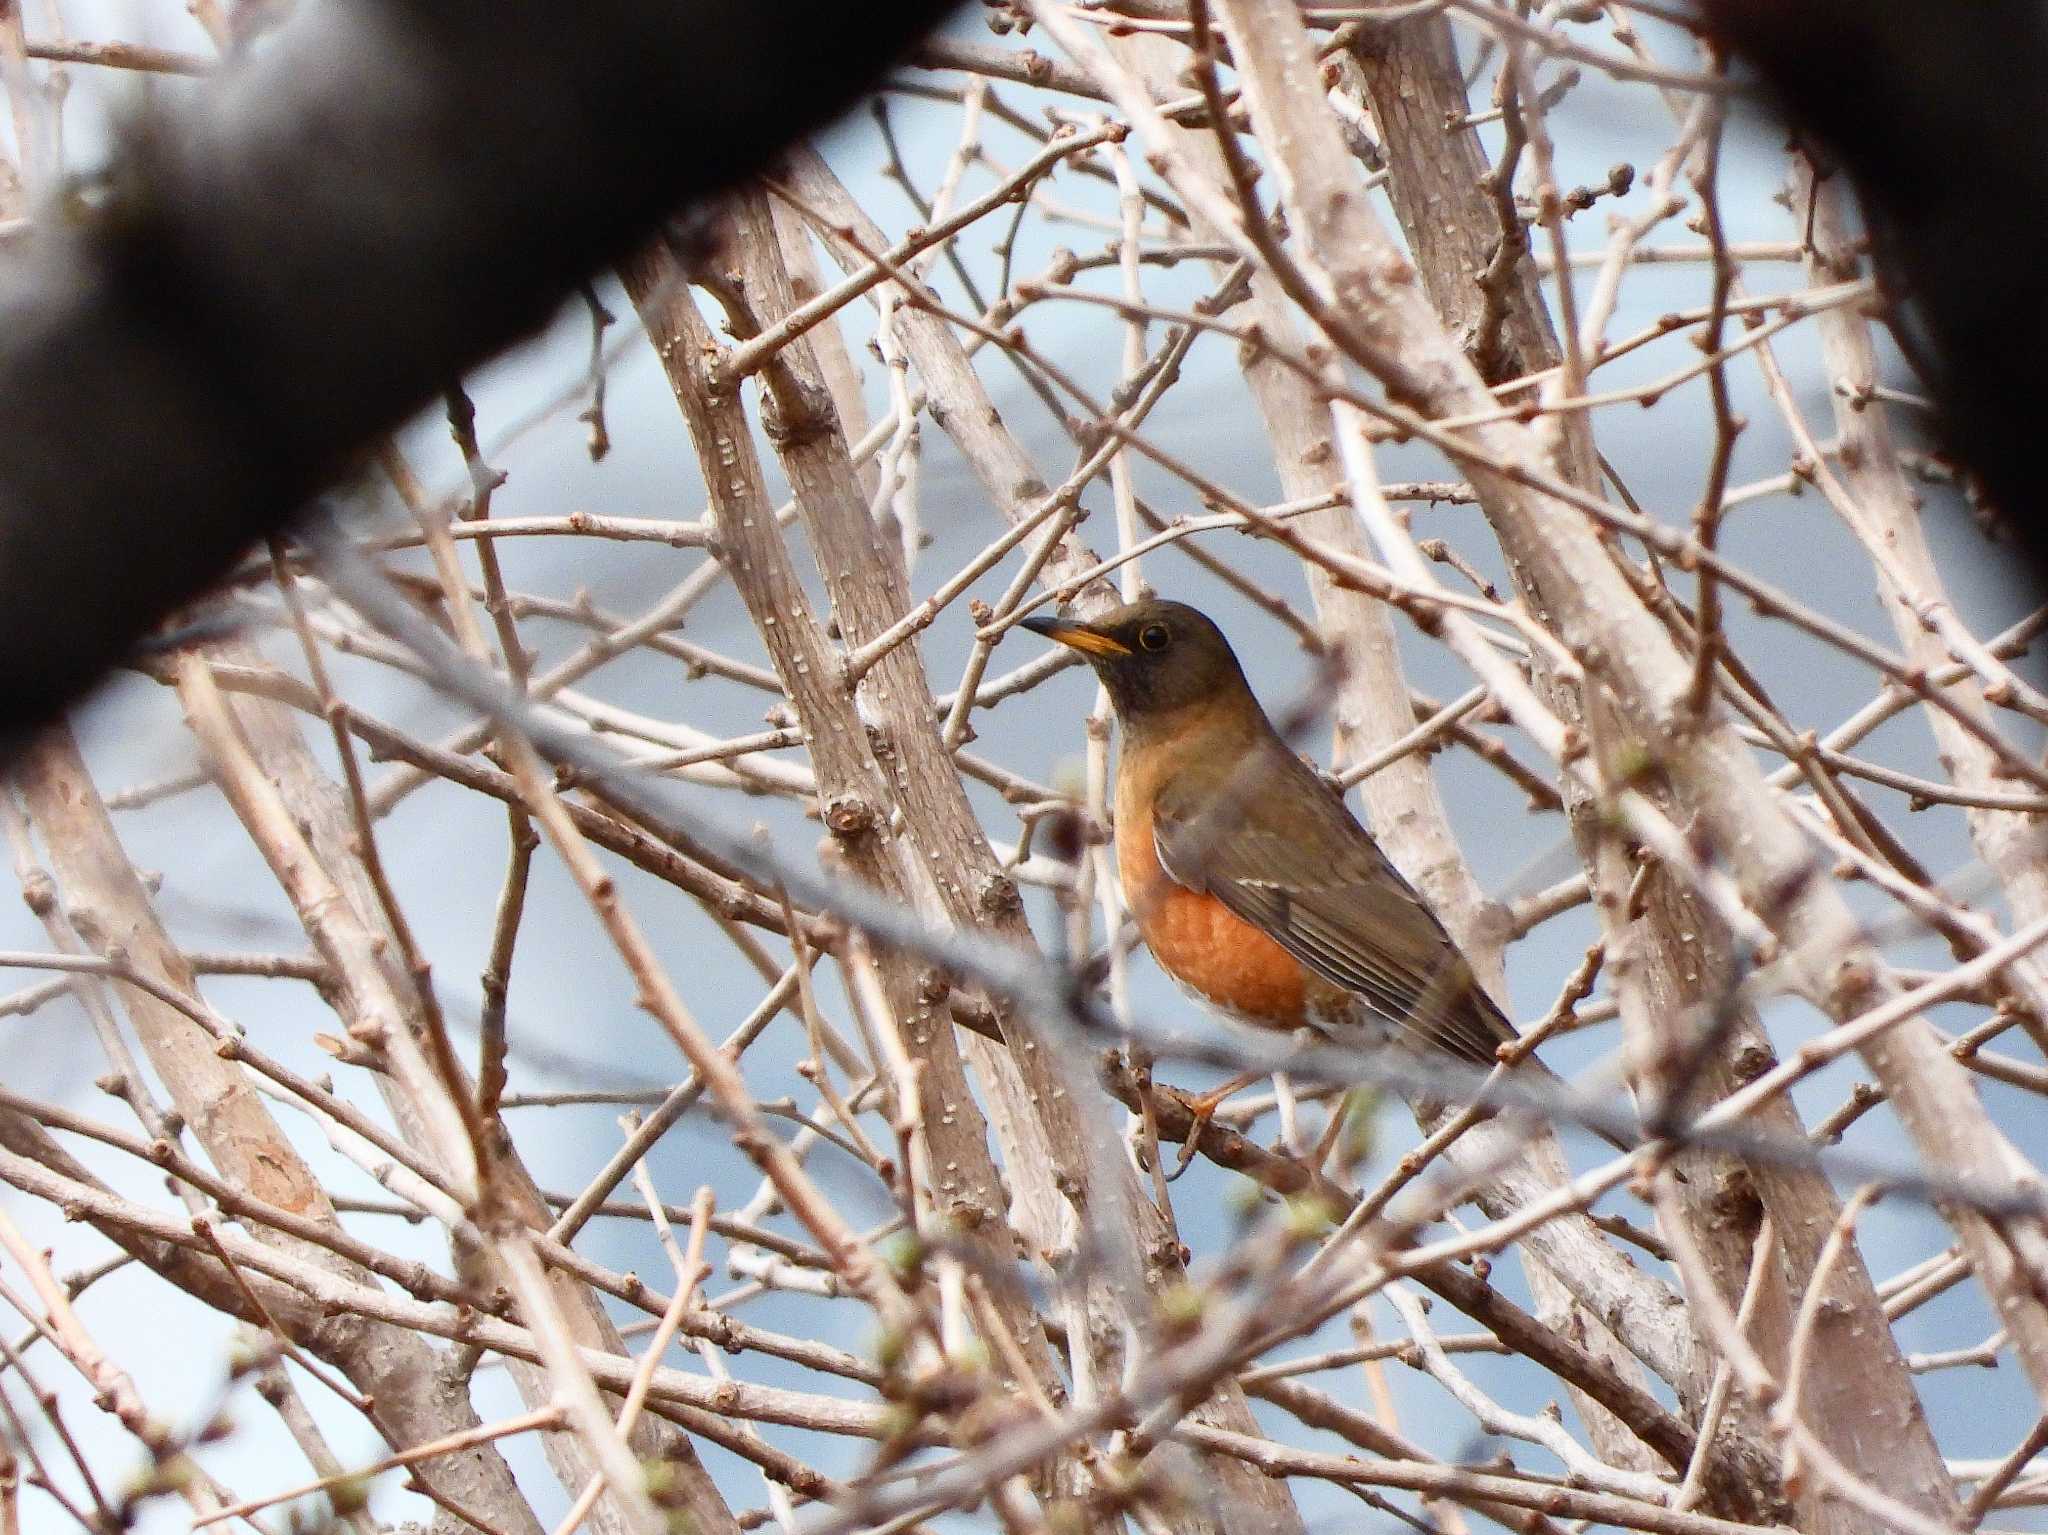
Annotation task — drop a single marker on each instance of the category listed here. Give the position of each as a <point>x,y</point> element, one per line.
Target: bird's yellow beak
<point>1078,636</point>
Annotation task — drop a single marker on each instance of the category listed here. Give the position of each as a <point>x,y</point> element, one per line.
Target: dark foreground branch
<point>383,196</point>
<point>1949,154</point>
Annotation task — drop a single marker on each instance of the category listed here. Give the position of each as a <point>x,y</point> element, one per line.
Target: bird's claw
<point>1202,1108</point>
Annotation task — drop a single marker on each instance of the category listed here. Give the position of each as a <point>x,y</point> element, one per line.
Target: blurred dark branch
<point>1936,120</point>
<point>380,198</point>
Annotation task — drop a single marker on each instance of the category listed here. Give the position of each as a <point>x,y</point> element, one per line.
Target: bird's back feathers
<point>1277,846</point>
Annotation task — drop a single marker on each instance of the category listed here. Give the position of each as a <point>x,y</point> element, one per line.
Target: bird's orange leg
<point>1205,1106</point>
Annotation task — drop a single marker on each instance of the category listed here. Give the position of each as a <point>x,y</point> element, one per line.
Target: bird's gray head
<point>1155,657</point>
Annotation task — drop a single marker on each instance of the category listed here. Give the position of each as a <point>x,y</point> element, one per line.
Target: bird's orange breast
<point>1199,941</point>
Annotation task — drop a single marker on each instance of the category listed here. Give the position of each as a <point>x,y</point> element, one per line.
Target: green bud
<point>905,1255</point>
<point>1308,1217</point>
<point>1181,1307</point>
<point>350,1495</point>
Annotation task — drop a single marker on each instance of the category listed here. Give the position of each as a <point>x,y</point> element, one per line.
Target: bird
<point>1252,884</point>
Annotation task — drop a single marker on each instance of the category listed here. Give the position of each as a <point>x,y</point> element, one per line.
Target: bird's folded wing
<point>1321,889</point>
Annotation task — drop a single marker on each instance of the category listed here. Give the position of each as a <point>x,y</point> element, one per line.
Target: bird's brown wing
<point>1312,879</point>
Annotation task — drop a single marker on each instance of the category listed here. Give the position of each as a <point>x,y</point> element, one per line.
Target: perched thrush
<point>1252,884</point>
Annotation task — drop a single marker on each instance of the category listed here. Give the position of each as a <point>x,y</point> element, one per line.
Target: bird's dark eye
<point>1154,636</point>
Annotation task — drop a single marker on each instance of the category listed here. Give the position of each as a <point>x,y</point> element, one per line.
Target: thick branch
<point>376,200</point>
